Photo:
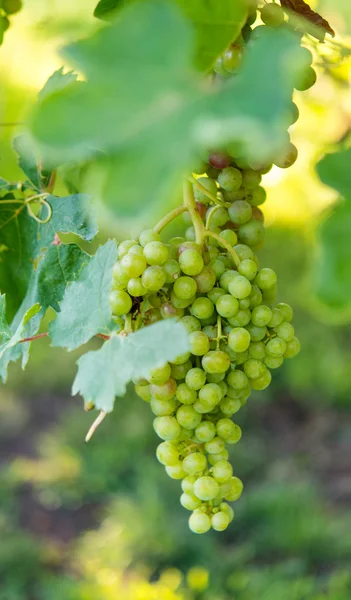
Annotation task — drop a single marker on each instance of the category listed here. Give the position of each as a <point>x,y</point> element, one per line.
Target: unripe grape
<point>214,458</point>
<point>206,488</point>
<point>220,521</point>
<point>217,267</point>
<point>292,348</point>
<point>205,280</point>
<point>286,311</point>
<point>179,302</point>
<point>191,323</point>
<point>244,252</point>
<point>258,196</point>
<point>215,293</point>
<point>266,278</point>
<point>133,265</point>
<point>227,306</point>
<point>272,15</point>
<point>143,391</point>
<point>236,434</point>
<point>285,331</point>
<point>194,463</point>
<point>195,378</point>
<point>199,522</point>
<point>179,360</point>
<point>251,179</point>
<point>230,179</point>
<point>199,343</point>
<point>191,262</point>
<point>136,249</point>
<point>161,408</point>
<point>232,58</point>
<point>219,217</point>
<point>205,431</point>
<point>240,212</point>
<point>190,234</point>
<point>180,371</point>
<point>176,471</point>
<point>252,233</point>
<point>225,428</point>
<point>210,395</point>
<point>248,269</point>
<point>189,501</point>
<point>276,347</point>
<point>153,278</point>
<point>167,428</point>
<point>254,368</point>
<point>165,391</point>
<point>227,509</point>
<point>257,350</point>
<point>155,253</point>
<point>188,484</point>
<point>167,454</point>
<point>172,269</point>
<point>237,379</point>
<point>124,247</point>
<point>306,79</point>
<point>230,406</point>
<point>215,445</point>
<point>210,186</point>
<point>202,308</point>
<point>120,301</point>
<point>11,6</point>
<point>216,362</point>
<point>187,417</point>
<point>227,278</point>
<point>185,395</point>
<point>222,471</point>
<point>261,315</point>
<point>230,236</point>
<point>169,311</point>
<point>148,235</point>
<point>135,287</point>
<point>261,383</point>
<point>239,339</point>
<point>273,362</point>
<point>184,287</point>
<point>239,287</point>
<point>242,318</point>
<point>287,157</point>
<point>236,490</point>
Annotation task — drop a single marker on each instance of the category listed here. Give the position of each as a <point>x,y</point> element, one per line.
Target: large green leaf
<point>105,373</point>
<point>334,170</point>
<point>85,308</point>
<point>150,113</point>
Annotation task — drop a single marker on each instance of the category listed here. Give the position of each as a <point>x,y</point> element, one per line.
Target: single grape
<point>161,408</point>
<point>255,297</point>
<point>227,510</point>
<point>149,235</point>
<point>169,311</point>
<point>229,406</point>
<point>205,280</point>
<point>252,233</point>
<point>225,428</point>
<point>261,383</point>
<point>256,333</point>
<point>184,287</point>
<point>215,445</point>
<point>124,247</point>
<point>235,491</point>
<point>175,471</point>
<point>241,318</point>
<point>227,306</point>
<point>215,293</point>
<point>135,287</point>
<point>179,371</point>
<point>214,458</point>
<point>237,379</point>
<point>215,378</point>
<point>199,523</point>
<point>176,242</point>
<point>165,391</point>
<point>222,471</point>
<point>231,59</point>
<point>153,278</point>
<point>191,262</point>
<point>306,79</point>
<point>239,339</point>
<point>195,378</point>
<point>272,15</point>
<point>210,395</point>
<point>167,428</point>
<point>202,308</point>
<point>276,347</point>
<point>258,196</point>
<point>287,157</point>
<point>190,234</point>
<point>266,278</point>
<point>227,278</point>
<point>217,267</point>
<point>167,454</point>
<point>244,252</point>
<point>187,417</point>
<point>206,488</point>
<point>230,236</point>
<point>239,287</point>
<point>205,431</point>
<point>189,501</point>
<point>219,160</point>
<point>230,179</point>
<point>155,253</point>
<point>286,311</point>
<point>240,212</point>
<point>210,185</point>
<point>172,269</point>
<point>219,217</point>
<point>251,179</point>
<point>248,269</point>
<point>273,362</point>
<point>188,484</point>
<point>160,375</point>
<point>292,348</point>
<point>133,265</point>
<point>195,463</point>
<point>185,395</point>
<point>216,362</point>
<point>179,302</point>
<point>277,317</point>
<point>285,331</point>
<point>261,315</point>
<point>143,391</point>
<point>236,434</point>
<point>191,323</point>
<point>254,368</point>
<point>199,343</point>
<point>257,350</point>
<point>120,302</point>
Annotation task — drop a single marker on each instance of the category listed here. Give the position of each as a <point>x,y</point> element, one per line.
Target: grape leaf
<point>159,133</point>
<point>85,308</point>
<point>11,338</point>
<point>56,82</point>
<point>334,171</point>
<point>5,331</point>
<point>27,160</point>
<point>105,373</point>
<point>304,10</point>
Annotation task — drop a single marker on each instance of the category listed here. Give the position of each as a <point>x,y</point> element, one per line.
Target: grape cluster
<point>216,287</point>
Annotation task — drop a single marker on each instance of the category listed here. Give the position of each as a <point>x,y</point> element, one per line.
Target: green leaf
<point>85,308</point>
<point>159,134</point>
<point>27,161</point>
<point>331,270</point>
<point>334,170</point>
<point>14,337</point>
<point>105,8</point>
<point>217,24</point>
<point>57,82</point>
<point>105,373</point>
<point>5,331</point>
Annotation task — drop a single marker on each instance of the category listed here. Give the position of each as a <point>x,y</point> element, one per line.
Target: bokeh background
<point>101,520</point>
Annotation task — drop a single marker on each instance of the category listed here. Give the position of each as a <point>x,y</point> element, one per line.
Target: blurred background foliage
<point>100,520</point>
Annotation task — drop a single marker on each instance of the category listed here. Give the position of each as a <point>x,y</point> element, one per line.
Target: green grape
<point>135,287</point>
<point>292,348</point>
<point>175,471</point>
<point>189,501</point>
<point>220,521</point>
<point>235,492</point>
<point>167,428</point>
<point>230,236</point>
<point>230,179</point>
<point>191,323</point>
<point>167,454</point>
<point>226,428</point>
<point>190,234</point>
<point>287,157</point>
<point>242,318</point>
<point>248,269</point>
<point>257,350</point>
<point>276,347</point>
<point>172,270</point>
<point>250,179</point>
<point>120,301</point>
<point>239,287</point>
<point>148,235</point>
<point>236,434</point>
<point>210,395</point>
<point>210,186</point>
<point>120,280</point>
<point>306,79</point>
<point>261,383</point>
<point>237,379</point>
<point>136,249</point>
<point>176,242</point>
<point>277,317</point>
<point>206,488</point>
<point>160,375</point>
<point>239,339</point>
<point>215,378</point>
<point>195,378</point>
<point>219,217</point>
<point>215,293</point>
<point>254,368</point>
<point>214,458</point>
<point>227,261</point>
<point>240,212</point>
<point>256,333</point>
<point>244,303</point>
<point>266,278</point>
<point>180,371</point>
<point>169,311</point>
<point>189,246</point>
<point>165,391</point>
<point>261,315</point>
<point>205,431</point>
<point>155,253</point>
<point>217,267</point>
<point>273,362</point>
<point>133,265</point>
<point>184,287</point>
<point>187,417</point>
<point>272,15</point>
<point>216,362</point>
<point>161,408</point>
<point>231,60</point>
<point>286,311</point>
<point>143,391</point>
<point>227,510</point>
<point>229,406</point>
<point>227,278</point>
<point>285,331</point>
<point>252,233</point>
<point>205,280</point>
<point>244,252</point>
<point>222,471</point>
<point>215,445</point>
<point>155,300</point>
<point>258,196</point>
<point>223,386</point>
<point>199,343</point>
<point>153,278</point>
<point>255,297</point>
<point>188,484</point>
<point>195,463</point>
<point>202,308</point>
<point>227,306</point>
<point>199,523</point>
<point>124,247</point>
<point>191,262</point>
<point>179,302</point>
<point>182,358</point>
<point>185,395</point>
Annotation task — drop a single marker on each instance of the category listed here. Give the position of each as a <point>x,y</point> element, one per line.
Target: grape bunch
<point>210,280</point>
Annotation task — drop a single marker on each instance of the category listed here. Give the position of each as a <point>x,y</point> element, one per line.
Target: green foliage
<point>98,380</point>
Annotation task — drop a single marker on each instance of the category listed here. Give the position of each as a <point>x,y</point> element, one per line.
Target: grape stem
<point>190,205</point>
<point>202,189</point>
<point>210,215</point>
<point>173,214</point>
<point>225,245</point>
<point>219,330</point>
<point>95,425</point>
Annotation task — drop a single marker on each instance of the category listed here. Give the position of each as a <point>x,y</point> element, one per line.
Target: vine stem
<point>95,425</point>
<point>210,215</point>
<point>190,204</point>
<point>225,245</point>
<point>202,189</point>
<point>173,214</point>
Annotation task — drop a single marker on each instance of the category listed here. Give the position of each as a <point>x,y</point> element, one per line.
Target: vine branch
<point>173,214</point>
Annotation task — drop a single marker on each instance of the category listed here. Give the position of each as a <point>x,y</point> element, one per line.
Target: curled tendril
<point>42,198</point>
